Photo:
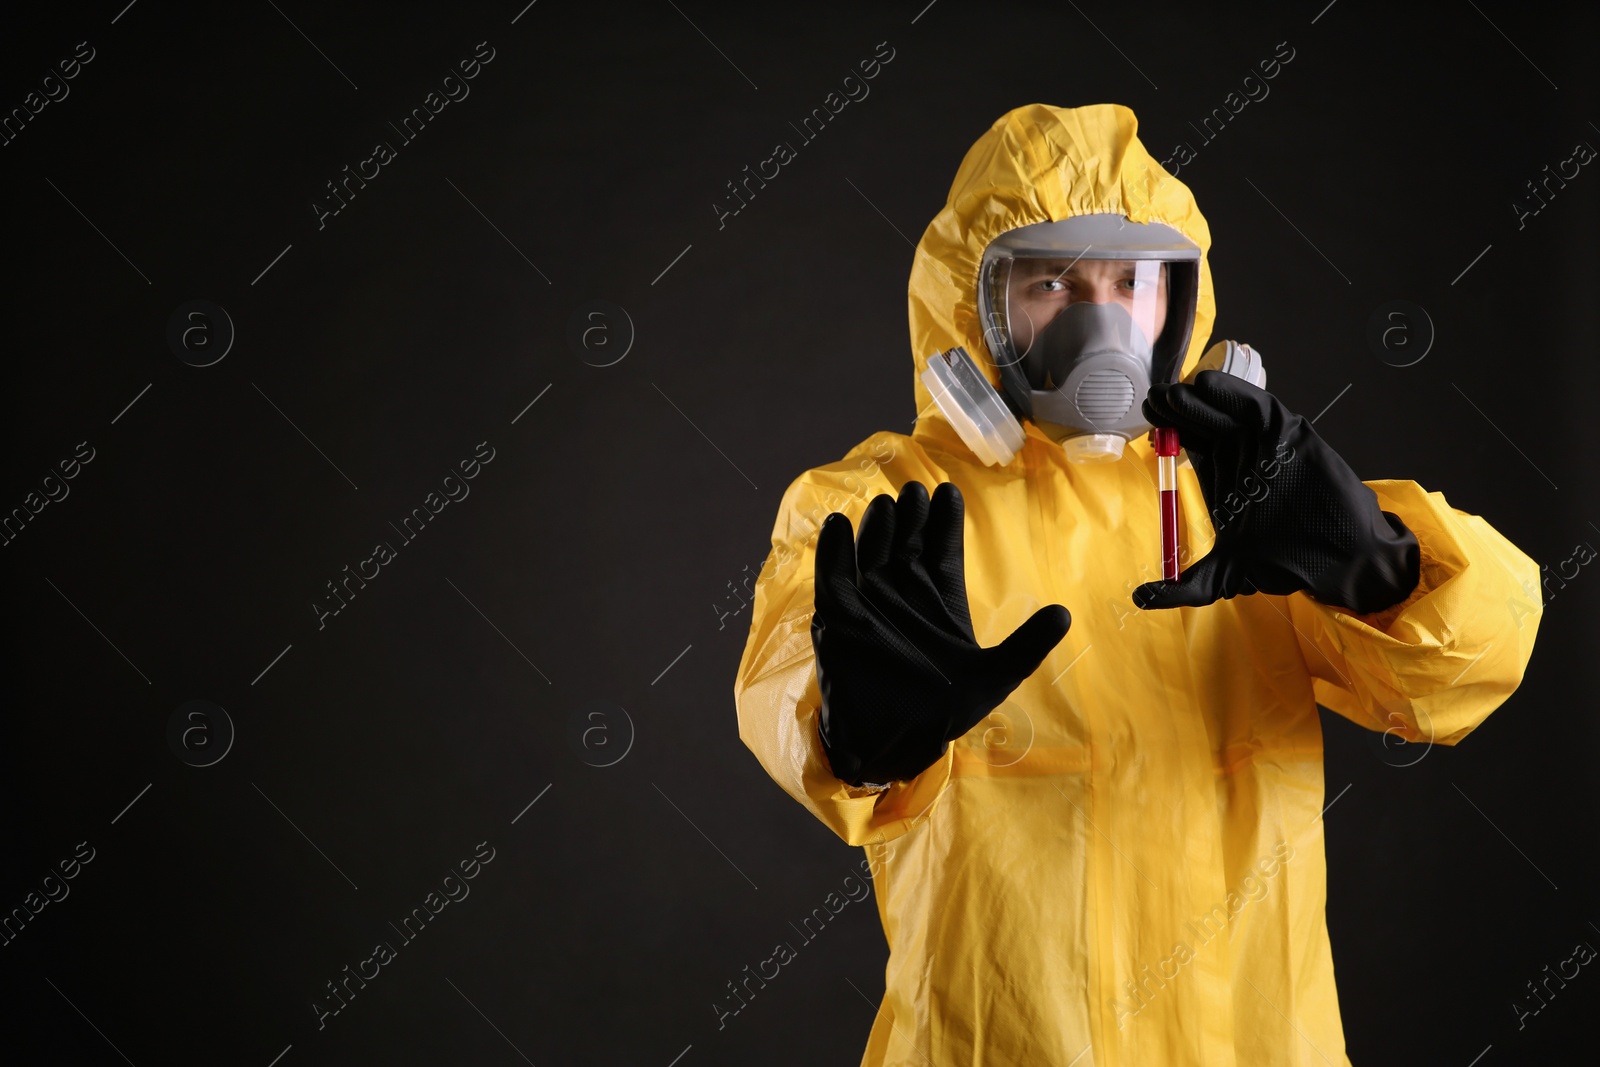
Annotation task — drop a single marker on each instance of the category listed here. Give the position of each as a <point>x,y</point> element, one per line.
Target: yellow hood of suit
<point>1040,164</point>
<point>1122,865</point>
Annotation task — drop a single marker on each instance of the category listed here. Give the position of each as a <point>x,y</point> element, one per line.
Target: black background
<point>600,542</point>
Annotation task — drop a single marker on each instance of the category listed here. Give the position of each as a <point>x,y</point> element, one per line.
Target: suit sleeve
<point>776,690</point>
<point>1432,667</point>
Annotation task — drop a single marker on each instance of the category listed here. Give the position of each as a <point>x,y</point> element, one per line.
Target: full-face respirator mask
<point>1080,318</point>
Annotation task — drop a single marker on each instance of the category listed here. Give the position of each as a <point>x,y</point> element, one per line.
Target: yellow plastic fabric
<point>1123,865</point>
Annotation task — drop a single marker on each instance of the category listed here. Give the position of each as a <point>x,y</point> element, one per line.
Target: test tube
<point>1166,442</point>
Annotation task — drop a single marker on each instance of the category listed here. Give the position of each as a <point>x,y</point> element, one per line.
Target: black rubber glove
<point>1289,514</point>
<point>900,671</point>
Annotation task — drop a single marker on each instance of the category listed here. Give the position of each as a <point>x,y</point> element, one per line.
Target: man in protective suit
<point>1092,797</point>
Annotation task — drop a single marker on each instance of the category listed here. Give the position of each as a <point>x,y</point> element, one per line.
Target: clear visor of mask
<point>1079,338</point>
<point>1030,295</point>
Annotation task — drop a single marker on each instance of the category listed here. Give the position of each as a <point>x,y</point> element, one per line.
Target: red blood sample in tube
<point>1166,442</point>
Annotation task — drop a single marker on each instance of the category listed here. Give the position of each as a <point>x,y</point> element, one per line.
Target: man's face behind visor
<point>1040,289</point>
<point>1075,316</point>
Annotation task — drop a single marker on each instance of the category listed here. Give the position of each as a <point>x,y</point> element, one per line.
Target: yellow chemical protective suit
<point>1122,866</point>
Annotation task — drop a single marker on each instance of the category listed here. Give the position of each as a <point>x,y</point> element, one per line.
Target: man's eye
<point>1054,285</point>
